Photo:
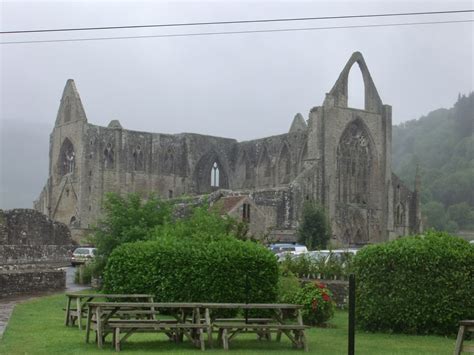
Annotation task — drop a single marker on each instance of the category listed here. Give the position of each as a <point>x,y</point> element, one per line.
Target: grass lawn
<point>37,327</point>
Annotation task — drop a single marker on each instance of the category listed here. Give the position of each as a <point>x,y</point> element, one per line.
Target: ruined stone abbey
<point>339,156</point>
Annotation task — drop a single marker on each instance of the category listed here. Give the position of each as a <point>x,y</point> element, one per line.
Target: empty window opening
<point>356,88</point>
<point>215,175</point>
<point>66,158</point>
<point>109,157</point>
<point>138,160</point>
<point>72,222</point>
<point>246,213</point>
<point>170,193</point>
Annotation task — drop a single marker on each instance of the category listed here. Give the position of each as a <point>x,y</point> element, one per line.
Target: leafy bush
<point>421,284</point>
<point>288,287</point>
<point>189,270</point>
<point>318,306</point>
<point>330,267</point>
<point>315,229</point>
<point>201,224</point>
<point>128,219</point>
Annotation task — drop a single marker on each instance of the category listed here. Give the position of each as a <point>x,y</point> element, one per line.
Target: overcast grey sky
<point>242,86</point>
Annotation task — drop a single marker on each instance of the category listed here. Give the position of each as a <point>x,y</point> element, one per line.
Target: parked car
<point>82,255</point>
<point>283,250</point>
<point>336,254</point>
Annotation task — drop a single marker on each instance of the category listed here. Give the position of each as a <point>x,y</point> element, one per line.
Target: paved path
<point>8,304</point>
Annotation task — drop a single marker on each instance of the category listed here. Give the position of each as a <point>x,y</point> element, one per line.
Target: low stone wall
<point>27,281</point>
<point>30,254</point>
<point>339,289</point>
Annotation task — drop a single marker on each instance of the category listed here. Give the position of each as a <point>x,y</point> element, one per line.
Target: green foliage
<point>93,269</point>
<point>202,224</point>
<point>189,270</point>
<point>328,267</point>
<point>288,287</point>
<point>421,284</point>
<point>434,214</point>
<point>314,230</point>
<point>128,219</point>
<point>318,306</point>
<point>462,214</point>
<point>442,144</point>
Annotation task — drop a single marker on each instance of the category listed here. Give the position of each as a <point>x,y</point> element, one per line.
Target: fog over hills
<point>24,162</point>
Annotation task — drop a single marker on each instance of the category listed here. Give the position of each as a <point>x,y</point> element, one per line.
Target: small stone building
<point>339,156</point>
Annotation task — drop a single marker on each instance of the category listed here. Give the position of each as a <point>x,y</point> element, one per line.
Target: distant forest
<point>442,145</point>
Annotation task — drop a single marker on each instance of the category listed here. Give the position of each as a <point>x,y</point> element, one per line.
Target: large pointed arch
<point>169,165</point>
<point>67,158</point>
<point>264,164</point>
<point>303,155</point>
<point>355,155</point>
<point>339,92</point>
<point>206,168</point>
<point>284,165</point>
<point>244,170</point>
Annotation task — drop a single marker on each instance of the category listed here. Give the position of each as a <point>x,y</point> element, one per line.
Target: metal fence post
<point>351,338</point>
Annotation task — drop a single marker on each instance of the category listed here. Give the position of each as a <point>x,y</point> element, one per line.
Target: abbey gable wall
<point>339,156</point>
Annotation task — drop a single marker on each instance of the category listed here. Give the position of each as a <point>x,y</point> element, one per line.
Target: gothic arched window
<point>168,162</point>
<point>215,175</point>
<point>138,160</point>
<point>265,165</point>
<point>67,158</point>
<point>353,164</point>
<point>284,167</point>
<point>109,157</point>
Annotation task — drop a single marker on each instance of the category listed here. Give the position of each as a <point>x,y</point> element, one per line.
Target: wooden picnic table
<point>276,322</point>
<point>81,300</point>
<point>106,321</point>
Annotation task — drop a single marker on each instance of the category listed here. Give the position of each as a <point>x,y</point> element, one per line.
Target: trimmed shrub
<point>186,270</point>
<point>420,285</point>
<point>318,305</point>
<point>288,287</point>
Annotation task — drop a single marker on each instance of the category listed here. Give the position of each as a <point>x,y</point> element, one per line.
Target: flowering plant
<point>318,305</point>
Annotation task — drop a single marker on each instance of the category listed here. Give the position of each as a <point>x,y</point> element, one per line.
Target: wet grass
<point>37,327</point>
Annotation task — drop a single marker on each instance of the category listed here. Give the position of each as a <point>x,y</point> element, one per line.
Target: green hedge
<point>177,270</point>
<point>422,284</point>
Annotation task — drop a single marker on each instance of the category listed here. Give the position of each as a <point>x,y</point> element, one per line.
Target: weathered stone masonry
<point>339,156</point>
<point>32,248</point>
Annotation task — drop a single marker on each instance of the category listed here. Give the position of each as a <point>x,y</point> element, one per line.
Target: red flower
<point>326,297</point>
<point>319,284</point>
<point>314,304</point>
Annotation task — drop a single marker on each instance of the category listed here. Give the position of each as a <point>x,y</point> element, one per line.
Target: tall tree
<point>314,230</point>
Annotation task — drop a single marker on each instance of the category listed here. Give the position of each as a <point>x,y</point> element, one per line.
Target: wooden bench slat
<point>261,326</point>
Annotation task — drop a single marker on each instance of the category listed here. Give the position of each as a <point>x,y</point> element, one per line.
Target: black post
<point>246,297</point>
<point>351,343</point>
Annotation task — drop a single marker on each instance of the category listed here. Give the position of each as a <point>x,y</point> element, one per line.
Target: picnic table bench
<point>81,299</point>
<point>187,321</point>
<point>263,327</point>
<point>464,327</point>
<point>106,322</point>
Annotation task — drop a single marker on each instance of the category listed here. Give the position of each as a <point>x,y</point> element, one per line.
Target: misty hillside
<point>24,149</point>
<point>442,144</point>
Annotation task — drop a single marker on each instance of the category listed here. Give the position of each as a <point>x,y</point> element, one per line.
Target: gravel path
<point>8,304</point>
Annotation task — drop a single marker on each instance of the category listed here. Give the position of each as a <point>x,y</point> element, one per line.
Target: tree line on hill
<point>441,144</point>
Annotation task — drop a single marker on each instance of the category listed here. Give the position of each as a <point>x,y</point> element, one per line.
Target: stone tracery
<point>67,158</point>
<point>353,164</point>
